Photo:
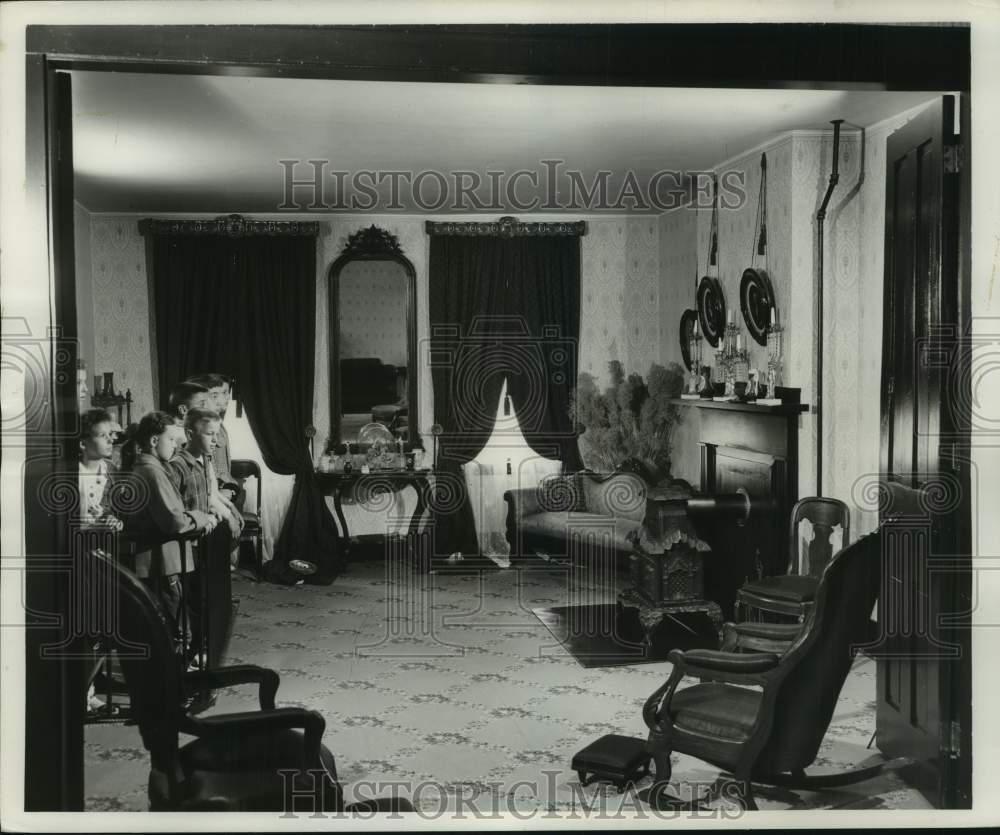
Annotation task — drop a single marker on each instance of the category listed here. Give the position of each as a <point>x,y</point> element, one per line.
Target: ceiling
<point>184,143</point>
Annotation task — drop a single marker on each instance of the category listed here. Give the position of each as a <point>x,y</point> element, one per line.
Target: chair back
<point>811,546</point>
<point>136,627</point>
<point>805,691</point>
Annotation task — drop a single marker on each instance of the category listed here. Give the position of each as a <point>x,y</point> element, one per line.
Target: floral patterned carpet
<point>448,686</point>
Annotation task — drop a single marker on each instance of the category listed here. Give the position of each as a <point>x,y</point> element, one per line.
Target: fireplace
<point>753,450</point>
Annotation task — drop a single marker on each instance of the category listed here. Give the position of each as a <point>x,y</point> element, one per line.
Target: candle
<point>729,315</point>
<point>696,327</point>
<point>739,342</point>
<point>772,317</point>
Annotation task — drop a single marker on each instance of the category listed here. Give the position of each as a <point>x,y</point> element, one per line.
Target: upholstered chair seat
<point>791,587</point>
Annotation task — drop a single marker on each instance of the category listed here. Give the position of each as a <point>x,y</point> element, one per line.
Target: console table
<point>369,485</point>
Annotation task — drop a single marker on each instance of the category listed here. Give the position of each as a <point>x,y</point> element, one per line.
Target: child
<point>186,396</point>
<point>162,520</point>
<point>96,426</point>
<point>217,387</point>
<point>192,469</point>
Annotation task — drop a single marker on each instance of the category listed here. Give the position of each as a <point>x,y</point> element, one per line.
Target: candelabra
<point>774,360</point>
<point>695,378</point>
<point>732,359</point>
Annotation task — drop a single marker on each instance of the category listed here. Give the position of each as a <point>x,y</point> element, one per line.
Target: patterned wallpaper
<point>373,311</point>
<point>619,295</point>
<point>121,308</point>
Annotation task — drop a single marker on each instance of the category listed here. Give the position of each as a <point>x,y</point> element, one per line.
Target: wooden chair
<point>773,734</point>
<point>253,531</point>
<point>271,759</point>
<point>793,593</point>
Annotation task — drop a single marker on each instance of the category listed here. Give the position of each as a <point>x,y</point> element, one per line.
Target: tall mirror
<point>373,338</point>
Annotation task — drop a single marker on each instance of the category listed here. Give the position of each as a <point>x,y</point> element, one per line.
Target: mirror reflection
<point>374,362</point>
<point>372,338</point>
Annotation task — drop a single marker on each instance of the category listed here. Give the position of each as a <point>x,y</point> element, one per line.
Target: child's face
<point>179,435</point>
<point>219,398</point>
<point>165,444</point>
<point>203,438</point>
<point>100,443</point>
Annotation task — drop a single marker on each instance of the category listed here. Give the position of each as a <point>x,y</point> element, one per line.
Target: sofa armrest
<point>522,502</point>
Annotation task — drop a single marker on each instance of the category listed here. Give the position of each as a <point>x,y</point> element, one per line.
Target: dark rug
<point>607,635</point>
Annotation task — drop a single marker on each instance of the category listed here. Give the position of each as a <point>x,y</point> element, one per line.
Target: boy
<point>188,395</point>
<point>96,448</point>
<point>192,469</point>
<point>217,387</point>
<point>162,519</point>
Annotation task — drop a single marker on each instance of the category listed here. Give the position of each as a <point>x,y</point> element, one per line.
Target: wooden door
<point>55,685</point>
<point>917,713</point>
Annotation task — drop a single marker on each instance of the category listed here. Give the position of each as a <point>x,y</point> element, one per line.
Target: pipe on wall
<point>820,220</point>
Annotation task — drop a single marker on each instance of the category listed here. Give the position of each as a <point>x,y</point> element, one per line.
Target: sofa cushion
<point>561,493</point>
<point>564,524</point>
<point>622,495</point>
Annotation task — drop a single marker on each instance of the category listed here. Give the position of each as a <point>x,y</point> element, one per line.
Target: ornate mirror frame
<point>373,244</point>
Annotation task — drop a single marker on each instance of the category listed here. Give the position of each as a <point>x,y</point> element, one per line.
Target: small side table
<point>373,483</point>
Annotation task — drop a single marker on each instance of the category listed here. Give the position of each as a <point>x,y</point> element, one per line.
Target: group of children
<point>180,462</point>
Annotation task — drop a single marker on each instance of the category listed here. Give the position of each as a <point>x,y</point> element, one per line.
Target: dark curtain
<point>501,308</point>
<point>248,306</point>
<point>275,284</point>
<point>543,287</point>
<point>466,284</point>
<point>192,282</point>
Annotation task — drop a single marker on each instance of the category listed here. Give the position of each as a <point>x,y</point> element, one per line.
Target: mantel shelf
<point>785,409</point>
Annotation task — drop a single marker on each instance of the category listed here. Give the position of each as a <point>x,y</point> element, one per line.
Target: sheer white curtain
<point>505,463</point>
<point>276,490</point>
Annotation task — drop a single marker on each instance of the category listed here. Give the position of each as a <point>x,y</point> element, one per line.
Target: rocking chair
<point>771,735</point>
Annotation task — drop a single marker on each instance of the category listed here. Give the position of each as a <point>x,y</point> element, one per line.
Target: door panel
<point>915,666</point>
<point>54,683</point>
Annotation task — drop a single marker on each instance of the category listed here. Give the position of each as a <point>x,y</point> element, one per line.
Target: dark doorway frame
<point>818,56</point>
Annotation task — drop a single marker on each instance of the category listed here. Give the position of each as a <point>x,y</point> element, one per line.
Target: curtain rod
<point>507,227</point>
<point>232,226</point>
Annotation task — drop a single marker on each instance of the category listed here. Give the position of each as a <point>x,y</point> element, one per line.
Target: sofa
<point>567,515</point>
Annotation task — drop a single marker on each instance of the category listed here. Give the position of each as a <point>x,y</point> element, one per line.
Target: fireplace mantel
<point>784,409</point>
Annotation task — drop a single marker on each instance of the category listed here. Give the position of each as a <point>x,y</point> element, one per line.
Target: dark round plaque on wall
<point>711,310</point>
<point>688,318</point>
<point>756,302</point>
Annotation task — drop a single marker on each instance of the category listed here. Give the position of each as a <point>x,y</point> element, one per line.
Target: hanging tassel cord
<point>760,222</point>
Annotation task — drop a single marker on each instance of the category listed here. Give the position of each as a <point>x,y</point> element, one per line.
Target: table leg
<point>339,510</point>
<point>413,534</point>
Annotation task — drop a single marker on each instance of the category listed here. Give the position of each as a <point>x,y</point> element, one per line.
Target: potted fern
<point>629,426</point>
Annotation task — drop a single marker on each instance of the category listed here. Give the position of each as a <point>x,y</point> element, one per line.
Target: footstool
<point>621,760</point>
